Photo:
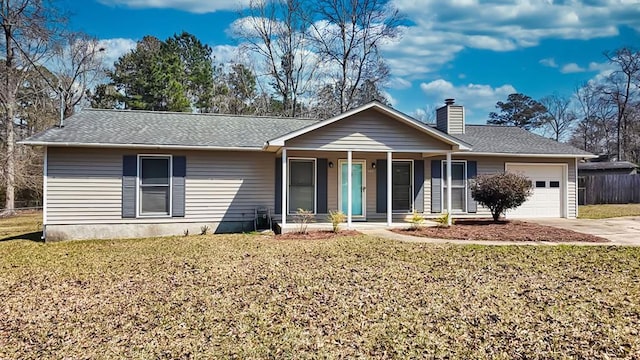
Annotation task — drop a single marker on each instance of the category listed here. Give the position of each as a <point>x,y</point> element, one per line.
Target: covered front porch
<point>360,184</point>
<point>368,163</point>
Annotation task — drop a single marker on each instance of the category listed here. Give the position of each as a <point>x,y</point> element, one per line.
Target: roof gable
<point>386,111</point>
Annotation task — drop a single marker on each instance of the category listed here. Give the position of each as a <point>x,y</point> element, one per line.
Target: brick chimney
<point>450,118</point>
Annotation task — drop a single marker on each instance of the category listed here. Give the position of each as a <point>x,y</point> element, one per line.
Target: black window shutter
<point>178,186</point>
<point>278,190</point>
<point>321,183</point>
<point>381,186</point>
<point>129,178</point>
<point>418,185</point>
<point>436,191</point>
<point>472,172</point>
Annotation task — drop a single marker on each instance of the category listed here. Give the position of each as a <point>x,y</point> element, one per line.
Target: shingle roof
<point>513,140</point>
<point>147,128</point>
<point>92,126</point>
<point>606,165</point>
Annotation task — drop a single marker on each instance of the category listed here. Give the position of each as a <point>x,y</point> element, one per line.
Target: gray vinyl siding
<point>368,130</point>
<point>488,165</point>
<point>450,119</point>
<point>456,120</point>
<point>84,186</point>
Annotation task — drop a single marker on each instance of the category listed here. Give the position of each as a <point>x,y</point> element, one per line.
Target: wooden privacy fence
<point>609,189</point>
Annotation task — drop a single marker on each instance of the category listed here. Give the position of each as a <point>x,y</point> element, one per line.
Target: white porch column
<point>284,187</point>
<point>449,187</point>
<point>389,188</point>
<point>349,188</point>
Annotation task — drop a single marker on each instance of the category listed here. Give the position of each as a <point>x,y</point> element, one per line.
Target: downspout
<point>45,175</point>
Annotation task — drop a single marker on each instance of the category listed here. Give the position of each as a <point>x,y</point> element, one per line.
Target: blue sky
<point>475,51</point>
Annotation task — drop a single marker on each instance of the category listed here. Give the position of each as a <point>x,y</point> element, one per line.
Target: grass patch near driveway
<point>253,297</point>
<point>608,211</point>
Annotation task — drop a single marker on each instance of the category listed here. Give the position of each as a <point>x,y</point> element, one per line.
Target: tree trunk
<point>10,175</point>
<point>496,215</point>
<point>9,98</point>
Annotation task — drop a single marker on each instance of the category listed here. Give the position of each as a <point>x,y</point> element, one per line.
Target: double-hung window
<point>302,185</point>
<point>458,186</point>
<point>154,185</point>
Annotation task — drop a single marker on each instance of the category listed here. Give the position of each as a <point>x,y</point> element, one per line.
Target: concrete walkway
<point>619,231</point>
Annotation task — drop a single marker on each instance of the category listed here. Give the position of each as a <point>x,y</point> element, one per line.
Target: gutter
<point>584,156</point>
<point>137,146</point>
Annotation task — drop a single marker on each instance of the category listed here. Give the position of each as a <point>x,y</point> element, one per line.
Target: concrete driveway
<point>620,231</point>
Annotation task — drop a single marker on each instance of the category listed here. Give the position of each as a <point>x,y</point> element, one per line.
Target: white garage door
<point>548,190</point>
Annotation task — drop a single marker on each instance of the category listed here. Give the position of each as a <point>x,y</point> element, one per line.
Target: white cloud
<point>115,48</point>
<point>224,54</point>
<point>548,62</point>
<point>194,6</point>
<point>392,101</point>
<point>441,30</point>
<point>571,68</point>
<point>399,83</point>
<point>477,99</point>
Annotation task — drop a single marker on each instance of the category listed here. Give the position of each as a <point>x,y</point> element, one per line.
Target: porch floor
<point>356,225</point>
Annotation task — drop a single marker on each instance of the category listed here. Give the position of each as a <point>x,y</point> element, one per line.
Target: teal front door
<point>358,189</point>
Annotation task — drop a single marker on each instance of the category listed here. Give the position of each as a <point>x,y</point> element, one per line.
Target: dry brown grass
<point>28,226</point>
<point>608,211</point>
<point>249,296</point>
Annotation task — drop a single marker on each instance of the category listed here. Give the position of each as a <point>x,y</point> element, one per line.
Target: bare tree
<point>78,66</point>
<point>28,28</point>
<point>348,34</point>
<point>622,88</point>
<point>276,31</point>
<point>560,117</point>
<point>595,130</point>
<point>426,114</point>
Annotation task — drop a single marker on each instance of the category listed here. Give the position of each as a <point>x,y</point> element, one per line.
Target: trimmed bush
<point>500,192</point>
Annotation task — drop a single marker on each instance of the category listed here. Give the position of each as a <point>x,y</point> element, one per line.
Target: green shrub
<point>500,192</point>
<point>336,217</point>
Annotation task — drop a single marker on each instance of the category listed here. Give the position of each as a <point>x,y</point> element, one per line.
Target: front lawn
<point>27,226</point>
<point>608,211</point>
<point>252,296</point>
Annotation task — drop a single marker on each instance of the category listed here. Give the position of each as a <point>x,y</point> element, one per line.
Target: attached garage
<point>548,198</point>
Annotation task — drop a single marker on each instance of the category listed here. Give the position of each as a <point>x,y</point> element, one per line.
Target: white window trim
<point>139,182</point>
<point>413,205</point>
<point>443,166</point>
<point>315,182</point>
<point>364,183</point>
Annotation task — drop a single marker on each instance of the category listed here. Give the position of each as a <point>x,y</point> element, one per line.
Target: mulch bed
<point>502,231</point>
<point>316,235</point>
